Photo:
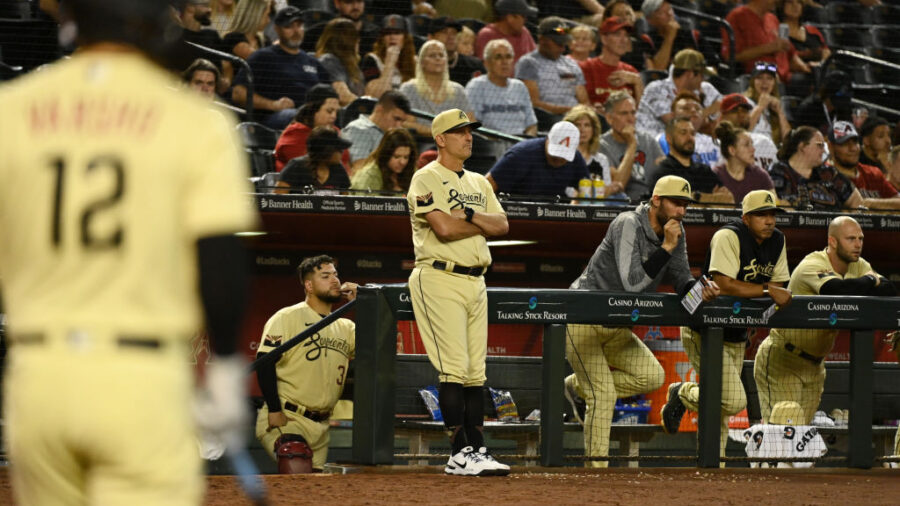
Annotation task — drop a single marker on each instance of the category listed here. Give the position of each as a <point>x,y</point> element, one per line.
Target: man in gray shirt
<point>641,249</point>
<point>555,82</point>
<point>365,132</point>
<point>635,154</point>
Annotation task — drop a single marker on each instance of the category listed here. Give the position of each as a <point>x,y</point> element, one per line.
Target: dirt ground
<point>647,487</point>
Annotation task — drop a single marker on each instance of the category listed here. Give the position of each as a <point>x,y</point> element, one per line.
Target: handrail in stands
<point>725,24</point>
<point>823,70</point>
<point>240,61</point>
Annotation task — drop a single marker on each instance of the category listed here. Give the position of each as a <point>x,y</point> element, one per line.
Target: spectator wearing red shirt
<point>877,192</point>
<point>756,38</point>
<point>607,73</point>
<point>320,109</point>
<point>510,25</point>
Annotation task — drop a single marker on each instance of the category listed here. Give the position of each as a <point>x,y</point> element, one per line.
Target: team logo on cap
<point>462,115</point>
<point>424,200</point>
<point>686,188</point>
<point>843,129</point>
<point>768,199</point>
<point>565,142</point>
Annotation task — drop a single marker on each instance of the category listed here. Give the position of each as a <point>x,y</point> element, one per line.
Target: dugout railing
<point>380,307</point>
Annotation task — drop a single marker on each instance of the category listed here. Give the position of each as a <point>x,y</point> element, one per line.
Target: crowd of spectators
<point>632,84</point>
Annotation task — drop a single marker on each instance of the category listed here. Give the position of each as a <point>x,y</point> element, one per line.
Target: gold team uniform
<point>734,253</point>
<point>108,177</point>
<point>790,362</point>
<point>310,376</point>
<point>451,306</point>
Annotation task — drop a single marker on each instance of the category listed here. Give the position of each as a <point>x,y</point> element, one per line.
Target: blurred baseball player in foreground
<point>117,239</point>
<point>452,211</point>
<point>302,388</point>
<point>790,362</point>
<point>747,258</point>
<point>642,248</point>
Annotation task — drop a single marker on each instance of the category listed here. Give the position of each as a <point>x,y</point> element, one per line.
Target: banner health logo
<point>832,319</point>
<point>532,303</point>
<point>736,309</point>
<point>635,315</point>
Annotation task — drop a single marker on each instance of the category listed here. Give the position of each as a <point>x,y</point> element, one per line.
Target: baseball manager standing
<point>452,211</point>
<point>117,239</point>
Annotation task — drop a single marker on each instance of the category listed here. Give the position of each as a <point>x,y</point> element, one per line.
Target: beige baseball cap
<point>674,187</point>
<point>787,413</point>
<point>759,200</point>
<point>451,119</point>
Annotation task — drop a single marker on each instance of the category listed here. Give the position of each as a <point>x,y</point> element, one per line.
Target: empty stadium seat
<point>815,15</point>
<point>885,14</point>
<point>847,37</point>
<point>259,143</point>
<point>846,12</point>
<point>15,9</point>
<point>354,109</point>
<point>885,36</point>
<point>883,53</point>
<point>29,43</point>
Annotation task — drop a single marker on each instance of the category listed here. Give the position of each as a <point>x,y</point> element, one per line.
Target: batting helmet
<point>293,454</point>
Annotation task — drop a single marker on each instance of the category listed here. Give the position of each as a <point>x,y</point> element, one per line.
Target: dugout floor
<point>669,486</point>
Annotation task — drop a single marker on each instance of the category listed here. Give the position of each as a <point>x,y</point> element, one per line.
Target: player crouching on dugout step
<point>746,258</point>
<point>302,388</point>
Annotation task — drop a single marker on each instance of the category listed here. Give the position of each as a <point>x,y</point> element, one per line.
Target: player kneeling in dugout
<point>303,386</point>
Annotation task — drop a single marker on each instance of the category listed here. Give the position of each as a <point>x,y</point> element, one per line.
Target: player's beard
<point>845,255</point>
<point>329,297</point>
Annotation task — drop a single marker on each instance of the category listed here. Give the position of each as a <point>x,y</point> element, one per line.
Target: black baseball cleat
<point>575,401</point>
<point>672,412</point>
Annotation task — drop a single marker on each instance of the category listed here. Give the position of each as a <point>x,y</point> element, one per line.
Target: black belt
<point>316,416</point>
<point>802,354</point>
<point>459,269</point>
<point>124,341</point>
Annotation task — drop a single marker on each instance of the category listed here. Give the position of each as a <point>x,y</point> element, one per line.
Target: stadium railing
<point>380,307</point>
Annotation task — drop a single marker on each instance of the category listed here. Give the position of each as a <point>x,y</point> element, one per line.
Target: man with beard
<point>790,362</point>
<point>282,73</point>
<point>843,144</point>
<point>195,18</point>
<point>746,258</point>
<point>642,249</point>
<point>680,162</point>
<point>736,109</point>
<point>301,389</point>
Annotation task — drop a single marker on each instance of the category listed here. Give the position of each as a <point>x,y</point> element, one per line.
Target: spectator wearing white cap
<point>542,167</point>
<point>664,36</point>
<point>510,25</point>
<point>688,69</point>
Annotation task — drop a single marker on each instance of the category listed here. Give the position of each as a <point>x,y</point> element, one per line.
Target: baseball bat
<point>276,354</point>
<point>248,476</point>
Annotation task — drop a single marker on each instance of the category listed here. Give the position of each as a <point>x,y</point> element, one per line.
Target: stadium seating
<point>846,12</point>
<point>259,143</point>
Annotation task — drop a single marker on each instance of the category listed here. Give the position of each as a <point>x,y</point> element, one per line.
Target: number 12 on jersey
<point>63,173</point>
